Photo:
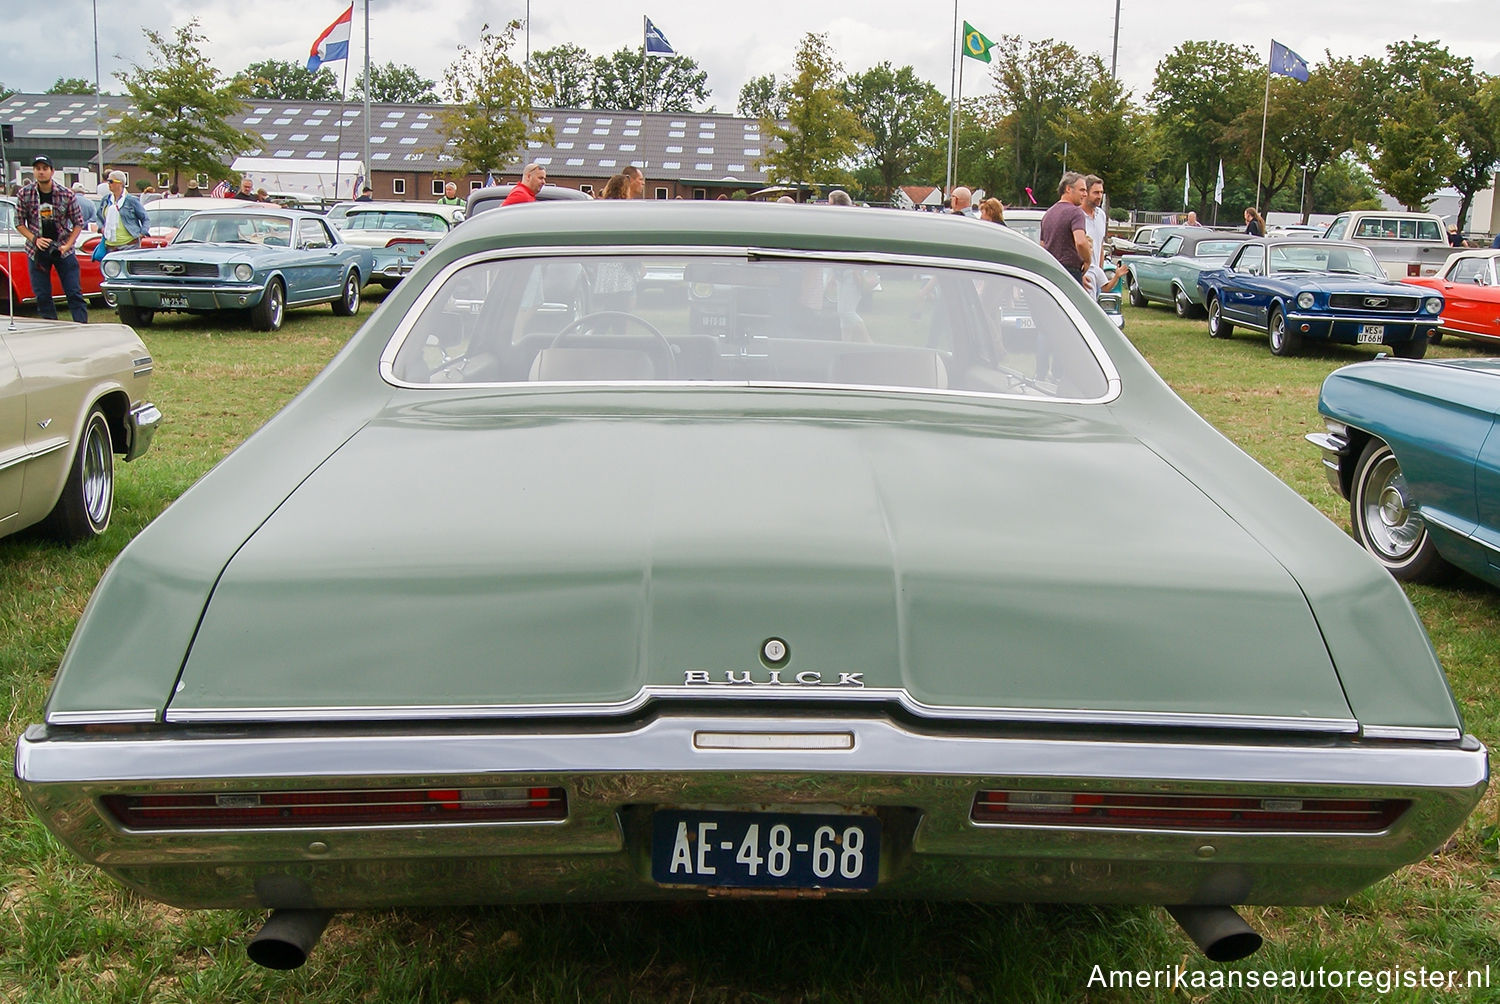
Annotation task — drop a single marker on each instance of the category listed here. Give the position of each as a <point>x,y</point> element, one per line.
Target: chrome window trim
<point>134,716</point>
<point>863,695</point>
<point>429,293</point>
<point>1412,734</point>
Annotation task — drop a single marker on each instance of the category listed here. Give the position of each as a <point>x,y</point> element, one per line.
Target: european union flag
<point>656,42</point>
<point>1287,63</point>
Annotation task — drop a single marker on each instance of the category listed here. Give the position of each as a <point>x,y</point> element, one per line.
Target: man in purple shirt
<point>1065,227</point>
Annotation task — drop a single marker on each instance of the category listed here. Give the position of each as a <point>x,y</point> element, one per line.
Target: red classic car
<point>15,276</point>
<point>1470,284</point>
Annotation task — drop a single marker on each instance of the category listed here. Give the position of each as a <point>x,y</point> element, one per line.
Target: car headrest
<point>565,363</point>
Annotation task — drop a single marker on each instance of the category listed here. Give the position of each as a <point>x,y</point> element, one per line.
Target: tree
<point>489,119</point>
<point>823,134</point>
<point>1199,89</point>
<point>283,80</point>
<point>563,76</point>
<point>396,84</point>
<point>6,92</point>
<point>1039,86</point>
<point>1325,117</point>
<point>1110,138</point>
<point>182,106</point>
<point>904,118</point>
<point>1429,106</point>
<point>1341,186</point>
<point>71,85</point>
<point>1413,156</point>
<point>664,84</point>
<point>763,98</point>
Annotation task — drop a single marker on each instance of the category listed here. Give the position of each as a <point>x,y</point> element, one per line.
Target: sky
<point>736,42</point>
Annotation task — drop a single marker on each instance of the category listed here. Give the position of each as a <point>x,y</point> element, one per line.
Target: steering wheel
<point>578,324</point>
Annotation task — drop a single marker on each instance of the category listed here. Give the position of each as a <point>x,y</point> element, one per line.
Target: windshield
<point>236,228</point>
<point>1027,228</point>
<point>167,215</point>
<point>383,219</point>
<point>737,320</point>
<point>1322,257</point>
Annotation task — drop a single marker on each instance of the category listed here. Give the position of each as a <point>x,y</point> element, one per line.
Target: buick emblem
<point>171,268</point>
<point>1375,301</point>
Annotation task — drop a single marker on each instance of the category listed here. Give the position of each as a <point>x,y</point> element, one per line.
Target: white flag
<point>1219,186</point>
<point>1186,176</point>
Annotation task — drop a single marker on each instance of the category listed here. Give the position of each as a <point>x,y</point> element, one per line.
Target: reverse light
<point>359,807</point>
<point>1129,810</point>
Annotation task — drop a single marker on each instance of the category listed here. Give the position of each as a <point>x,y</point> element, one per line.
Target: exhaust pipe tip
<point>287,938</point>
<point>1220,933</point>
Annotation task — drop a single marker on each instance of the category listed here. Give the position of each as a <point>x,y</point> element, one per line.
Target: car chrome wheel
<point>1387,520</point>
<point>348,304</point>
<point>1217,326</point>
<point>1137,298</point>
<point>83,509</point>
<point>1283,341</point>
<point>1181,302</point>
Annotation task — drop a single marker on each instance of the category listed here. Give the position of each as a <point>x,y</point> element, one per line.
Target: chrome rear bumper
<point>922,784</point>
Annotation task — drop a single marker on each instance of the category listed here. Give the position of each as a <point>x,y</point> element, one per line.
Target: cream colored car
<point>71,397</point>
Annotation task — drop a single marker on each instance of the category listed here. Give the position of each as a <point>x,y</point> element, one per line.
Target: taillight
<point>1188,812</point>
<point>404,240</point>
<point>1413,269</point>
<point>364,807</point>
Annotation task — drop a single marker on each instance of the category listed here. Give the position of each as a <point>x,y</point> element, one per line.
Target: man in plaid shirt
<point>51,220</point>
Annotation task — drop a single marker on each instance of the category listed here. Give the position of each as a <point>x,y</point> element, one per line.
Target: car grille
<point>1375,301</point>
<point>175,269</point>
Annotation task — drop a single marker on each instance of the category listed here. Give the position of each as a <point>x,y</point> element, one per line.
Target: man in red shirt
<point>532,180</point>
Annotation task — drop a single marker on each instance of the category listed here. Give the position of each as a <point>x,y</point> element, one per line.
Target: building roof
<point>696,148</point>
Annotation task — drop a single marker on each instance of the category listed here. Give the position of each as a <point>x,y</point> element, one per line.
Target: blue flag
<point>1287,63</point>
<point>656,42</point>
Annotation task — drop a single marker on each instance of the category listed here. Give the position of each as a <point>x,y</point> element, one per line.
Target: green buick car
<point>861,562</point>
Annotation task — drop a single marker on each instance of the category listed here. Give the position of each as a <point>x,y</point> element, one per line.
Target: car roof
<point>192,202</point>
<point>261,209</point>
<point>745,225</point>
<point>481,199</point>
<point>418,207</point>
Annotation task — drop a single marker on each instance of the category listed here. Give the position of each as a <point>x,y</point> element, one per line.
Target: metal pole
<point>98,101</point>
<point>368,173</point>
<point>1114,52</point>
<point>528,34</point>
<point>1264,113</point>
<point>952,96</point>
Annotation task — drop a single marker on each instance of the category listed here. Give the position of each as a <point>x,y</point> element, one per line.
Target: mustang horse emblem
<point>1375,301</point>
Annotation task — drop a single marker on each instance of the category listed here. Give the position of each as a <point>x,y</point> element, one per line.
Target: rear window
<point>395,220</point>
<point>1215,249</point>
<point>718,319</point>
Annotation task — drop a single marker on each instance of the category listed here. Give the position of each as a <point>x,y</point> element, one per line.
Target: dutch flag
<point>333,44</point>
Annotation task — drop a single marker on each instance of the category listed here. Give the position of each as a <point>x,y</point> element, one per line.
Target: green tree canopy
<point>1199,90</point>
<point>1039,86</point>
<point>563,76</point>
<point>182,107</point>
<point>283,80</point>
<point>664,84</point>
<point>819,143</point>
<point>397,84</point>
<point>71,85</point>
<point>1111,138</point>
<point>1428,106</point>
<point>763,98</point>
<point>904,118</point>
<point>489,119</point>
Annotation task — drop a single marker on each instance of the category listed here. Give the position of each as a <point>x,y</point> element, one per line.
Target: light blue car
<point>245,256</point>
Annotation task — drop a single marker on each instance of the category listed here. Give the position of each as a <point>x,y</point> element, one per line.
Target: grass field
<point>67,934</point>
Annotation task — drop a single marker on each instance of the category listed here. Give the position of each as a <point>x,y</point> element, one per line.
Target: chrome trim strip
<point>32,454</point>
<point>1468,535</point>
<point>667,744</point>
<point>1414,734</point>
<point>142,420</point>
<point>429,293</point>
<point>138,716</point>
<point>111,287</point>
<point>864,695</point>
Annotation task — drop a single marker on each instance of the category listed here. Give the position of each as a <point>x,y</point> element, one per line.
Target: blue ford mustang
<point>1295,290</point>
<point>1414,448</point>
<point>241,257</point>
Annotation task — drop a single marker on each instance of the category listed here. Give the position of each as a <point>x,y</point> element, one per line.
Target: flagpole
<point>98,101</point>
<point>952,98</point>
<point>957,120</point>
<point>369,174</point>
<point>343,100</point>
<point>1264,114</point>
<point>644,22</point>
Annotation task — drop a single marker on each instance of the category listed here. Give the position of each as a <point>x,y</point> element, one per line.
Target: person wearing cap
<point>366,194</point>
<point>123,217</point>
<point>49,218</point>
<point>90,212</point>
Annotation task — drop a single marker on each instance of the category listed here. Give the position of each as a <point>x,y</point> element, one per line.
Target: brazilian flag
<point>976,46</point>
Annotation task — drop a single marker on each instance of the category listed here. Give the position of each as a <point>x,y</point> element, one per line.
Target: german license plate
<point>168,300</point>
<point>1371,334</point>
<point>765,850</point>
